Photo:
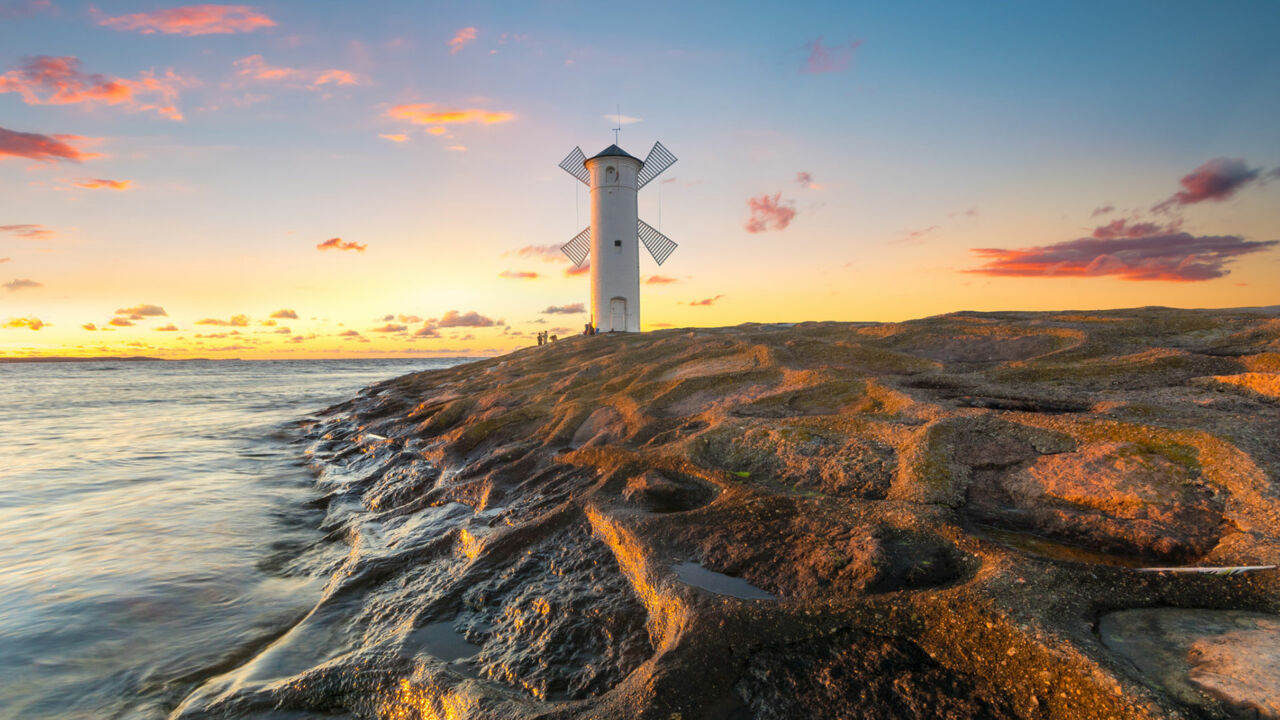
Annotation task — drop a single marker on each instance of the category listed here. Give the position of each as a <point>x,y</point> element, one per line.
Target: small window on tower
<point>610,174</point>
<point>617,243</point>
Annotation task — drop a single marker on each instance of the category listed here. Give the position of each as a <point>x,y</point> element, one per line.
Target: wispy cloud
<point>622,119</point>
<point>31,323</point>
<point>394,137</point>
<point>829,58</point>
<point>29,232</point>
<point>768,213</point>
<point>575,270</point>
<point>137,312</point>
<point>705,301</point>
<point>192,20</point>
<point>233,321</point>
<point>42,148</point>
<point>1103,210</point>
<point>102,184</point>
<point>19,9</point>
<point>1217,179</point>
<point>659,280</point>
<point>340,244</point>
<point>453,318</point>
<point>390,328</point>
<point>1123,228</point>
<point>518,275</point>
<point>805,180</point>
<point>49,80</point>
<point>1172,257</point>
<point>22,284</point>
<point>573,309</point>
<point>254,67</point>
<point>460,39</point>
<point>917,235</point>
<point>432,114</point>
<point>544,252</point>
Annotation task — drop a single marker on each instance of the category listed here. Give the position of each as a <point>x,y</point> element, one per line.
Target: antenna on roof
<point>619,128</point>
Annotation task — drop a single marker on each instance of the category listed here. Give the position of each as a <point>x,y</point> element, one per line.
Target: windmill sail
<point>660,246</point>
<point>573,164</point>
<point>659,159</point>
<point>579,247</point>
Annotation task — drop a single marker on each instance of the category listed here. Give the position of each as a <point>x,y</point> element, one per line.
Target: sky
<point>338,179</point>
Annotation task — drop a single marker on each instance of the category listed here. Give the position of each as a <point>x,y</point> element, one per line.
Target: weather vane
<point>619,128</point>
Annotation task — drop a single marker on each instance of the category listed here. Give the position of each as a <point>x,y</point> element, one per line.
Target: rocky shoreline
<point>949,517</point>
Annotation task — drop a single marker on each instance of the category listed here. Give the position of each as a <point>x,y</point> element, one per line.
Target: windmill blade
<point>659,159</point>
<point>579,247</point>
<point>660,246</point>
<point>573,165</point>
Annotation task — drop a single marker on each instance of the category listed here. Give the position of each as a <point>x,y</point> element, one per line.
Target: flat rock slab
<point>1220,659</point>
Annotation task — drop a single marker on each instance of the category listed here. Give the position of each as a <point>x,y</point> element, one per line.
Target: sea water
<point>149,512</point>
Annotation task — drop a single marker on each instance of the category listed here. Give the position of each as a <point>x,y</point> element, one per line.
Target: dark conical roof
<point>613,151</point>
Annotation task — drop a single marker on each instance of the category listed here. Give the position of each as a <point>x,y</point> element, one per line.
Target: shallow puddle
<point>719,583</point>
<point>441,640</point>
<point>1055,550</point>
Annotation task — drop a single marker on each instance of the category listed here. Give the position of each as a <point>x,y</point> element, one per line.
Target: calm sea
<point>148,515</point>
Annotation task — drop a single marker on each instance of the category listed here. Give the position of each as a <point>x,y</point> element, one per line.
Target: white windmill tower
<point>615,177</point>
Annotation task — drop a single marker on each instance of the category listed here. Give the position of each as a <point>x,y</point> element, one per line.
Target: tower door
<point>618,314</point>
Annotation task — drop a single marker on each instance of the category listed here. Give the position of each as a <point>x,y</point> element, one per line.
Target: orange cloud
<point>285,314</point>
<point>120,322</point>
<point>193,20</point>
<point>460,39</point>
<point>167,328</point>
<point>575,270</point>
<point>705,301</point>
<point>390,328</point>
<point>457,148</point>
<point>254,67</point>
<point>30,232</point>
<point>437,130</point>
<point>340,244</point>
<point>5,259</point>
<point>103,184</point>
<point>428,114</point>
<point>89,326</point>
<point>43,148</point>
<point>235,321</point>
<point>518,275</point>
<point>396,137</point>
<point>32,322</point>
<point>49,80</point>
<point>659,280</point>
<point>573,309</point>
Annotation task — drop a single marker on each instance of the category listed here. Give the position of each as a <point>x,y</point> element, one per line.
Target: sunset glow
<point>324,180</point>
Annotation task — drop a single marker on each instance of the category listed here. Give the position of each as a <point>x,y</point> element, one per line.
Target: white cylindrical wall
<point>615,246</point>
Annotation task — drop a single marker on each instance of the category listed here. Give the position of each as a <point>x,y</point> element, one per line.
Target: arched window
<point>611,174</point>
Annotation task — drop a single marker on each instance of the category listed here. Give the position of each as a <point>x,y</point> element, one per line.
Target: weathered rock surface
<point>940,518</point>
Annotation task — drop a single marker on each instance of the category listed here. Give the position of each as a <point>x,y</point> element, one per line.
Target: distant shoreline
<point>66,359</point>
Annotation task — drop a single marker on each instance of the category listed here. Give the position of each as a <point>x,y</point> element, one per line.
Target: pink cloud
<point>1171,257</point>
<point>768,213</point>
<point>575,270</point>
<point>340,244</point>
<point>453,318</point>
<point>29,232</point>
<point>705,301</point>
<point>193,20</point>
<point>805,180</point>
<point>1103,210</point>
<point>254,67</point>
<point>659,280</point>
<point>1217,179</point>
<point>42,148</point>
<point>829,58</point>
<point>460,39</point>
<point>518,275</point>
<point>48,80</point>
<point>573,309</point>
<point>19,9</point>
